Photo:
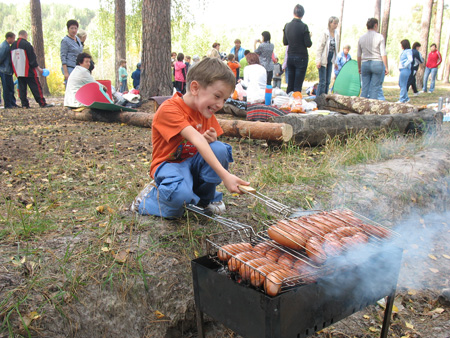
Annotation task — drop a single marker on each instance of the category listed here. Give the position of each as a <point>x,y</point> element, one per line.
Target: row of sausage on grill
<point>324,234</point>
<point>263,265</point>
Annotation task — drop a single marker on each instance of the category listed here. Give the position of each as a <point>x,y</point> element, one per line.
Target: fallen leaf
<point>108,240</point>
<point>432,257</point>
<point>102,225</point>
<point>105,249</point>
<point>446,256</point>
<point>158,314</point>
<point>434,270</point>
<point>100,209</point>
<point>121,256</point>
<point>412,292</point>
<point>29,317</point>
<point>29,206</point>
<point>438,310</point>
<point>366,317</point>
<point>409,325</point>
<point>373,329</point>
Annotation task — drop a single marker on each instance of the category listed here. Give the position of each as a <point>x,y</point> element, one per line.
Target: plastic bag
<point>240,92</point>
<point>297,104</point>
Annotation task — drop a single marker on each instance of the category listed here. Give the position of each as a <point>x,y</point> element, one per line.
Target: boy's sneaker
<point>137,201</point>
<point>217,208</point>
<point>416,94</point>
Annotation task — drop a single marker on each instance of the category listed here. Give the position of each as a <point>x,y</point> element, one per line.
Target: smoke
<point>413,259</point>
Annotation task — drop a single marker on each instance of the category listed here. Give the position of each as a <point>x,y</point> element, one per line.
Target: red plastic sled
<point>90,93</point>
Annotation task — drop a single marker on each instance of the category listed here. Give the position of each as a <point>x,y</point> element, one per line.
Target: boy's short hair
<point>208,71</point>
<point>10,35</point>
<point>230,57</point>
<point>72,23</point>
<point>371,22</point>
<point>123,61</point>
<point>180,57</point>
<point>188,57</point>
<point>299,11</point>
<point>246,52</point>
<point>81,57</point>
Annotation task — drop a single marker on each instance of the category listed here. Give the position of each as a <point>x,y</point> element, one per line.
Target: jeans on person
<point>286,75</point>
<point>123,86</point>
<point>372,76</point>
<point>8,91</point>
<point>433,72</point>
<point>269,77</point>
<point>69,70</point>
<point>296,65</point>
<point>276,83</point>
<point>325,76</point>
<point>412,81</point>
<point>403,83</point>
<point>192,181</point>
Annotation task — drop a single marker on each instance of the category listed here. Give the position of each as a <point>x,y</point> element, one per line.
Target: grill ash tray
<point>300,311</point>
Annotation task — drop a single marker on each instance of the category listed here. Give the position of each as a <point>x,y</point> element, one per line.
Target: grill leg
<point>387,315</point>
<point>201,333</point>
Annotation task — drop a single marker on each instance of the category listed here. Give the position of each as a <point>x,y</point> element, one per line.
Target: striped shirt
<point>371,46</point>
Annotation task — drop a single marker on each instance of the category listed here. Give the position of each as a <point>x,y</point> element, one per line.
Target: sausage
<point>315,251</point>
<point>263,247</point>
<point>232,249</point>
<point>258,275</point>
<point>274,254</point>
<point>286,259</point>
<point>346,231</point>
<point>306,273</point>
<point>246,269</point>
<point>376,231</point>
<point>332,247</point>
<point>234,263</point>
<point>274,280</point>
<point>285,236</point>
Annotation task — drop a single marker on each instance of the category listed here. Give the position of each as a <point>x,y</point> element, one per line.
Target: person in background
<point>243,63</point>
<point>406,60</point>
<point>238,52</point>
<point>216,45</point>
<point>277,72</point>
<point>417,60</point>
<point>123,76</point>
<point>296,35</point>
<point>180,74</point>
<point>372,61</point>
<point>255,79</point>
<point>326,54</point>
<point>188,162</point>
<point>265,52</point>
<point>433,61</point>
<point>26,68</point>
<point>71,46</point>
<point>234,65</point>
<point>173,59</point>
<point>311,91</point>
<point>284,65</point>
<point>80,76</point>
<point>136,76</point>
<point>213,53</point>
<point>6,71</point>
<point>342,58</point>
<point>187,62</point>
<point>195,60</point>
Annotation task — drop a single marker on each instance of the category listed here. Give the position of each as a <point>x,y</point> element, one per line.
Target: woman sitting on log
<point>80,76</point>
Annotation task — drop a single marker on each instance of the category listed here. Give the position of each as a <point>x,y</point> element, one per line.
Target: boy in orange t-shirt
<point>234,65</point>
<point>187,161</point>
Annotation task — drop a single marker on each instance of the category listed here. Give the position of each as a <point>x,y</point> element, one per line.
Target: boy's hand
<point>210,135</point>
<point>233,182</point>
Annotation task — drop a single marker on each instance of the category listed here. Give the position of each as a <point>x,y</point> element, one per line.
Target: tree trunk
<point>443,69</point>
<point>120,34</point>
<point>386,15</point>
<point>340,25</point>
<point>424,34</point>
<point>38,39</point>
<point>438,25</point>
<point>156,79</point>
<point>377,14</point>
<point>447,71</point>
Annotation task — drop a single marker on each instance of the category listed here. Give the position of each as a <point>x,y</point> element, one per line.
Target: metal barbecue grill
<point>319,295</point>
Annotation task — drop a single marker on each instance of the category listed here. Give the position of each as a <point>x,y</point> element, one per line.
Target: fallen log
<point>315,130</point>
<point>280,132</point>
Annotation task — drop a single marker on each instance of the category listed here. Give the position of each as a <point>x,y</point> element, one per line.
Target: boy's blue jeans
<point>124,86</point>
<point>192,181</point>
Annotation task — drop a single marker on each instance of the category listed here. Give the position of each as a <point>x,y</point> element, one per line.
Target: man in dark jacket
<point>26,69</point>
<point>136,76</point>
<point>296,35</point>
<point>6,71</point>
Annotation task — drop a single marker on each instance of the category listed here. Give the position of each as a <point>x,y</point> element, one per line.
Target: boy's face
<point>209,100</point>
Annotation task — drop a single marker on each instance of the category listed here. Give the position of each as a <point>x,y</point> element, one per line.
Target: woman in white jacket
<point>326,54</point>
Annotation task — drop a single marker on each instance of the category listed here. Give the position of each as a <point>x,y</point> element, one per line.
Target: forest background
<point>196,24</point>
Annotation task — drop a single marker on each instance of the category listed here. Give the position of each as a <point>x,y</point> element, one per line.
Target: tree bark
<point>424,34</point>
<point>156,79</point>
<point>447,71</point>
<point>386,15</point>
<point>438,24</point>
<point>442,72</point>
<point>120,34</point>
<point>338,47</point>
<point>377,13</point>
<point>38,39</point>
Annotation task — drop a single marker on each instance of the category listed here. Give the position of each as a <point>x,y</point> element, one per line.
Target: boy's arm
<point>230,181</point>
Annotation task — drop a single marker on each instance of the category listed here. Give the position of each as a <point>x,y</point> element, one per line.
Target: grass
<point>64,244</point>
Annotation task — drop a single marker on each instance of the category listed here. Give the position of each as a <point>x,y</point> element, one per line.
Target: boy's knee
<point>223,151</point>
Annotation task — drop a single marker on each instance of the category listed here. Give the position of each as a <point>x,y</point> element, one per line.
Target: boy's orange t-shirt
<point>233,66</point>
<point>171,118</point>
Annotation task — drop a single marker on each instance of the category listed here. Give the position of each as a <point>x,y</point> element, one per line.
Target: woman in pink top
<point>433,61</point>
<point>180,74</point>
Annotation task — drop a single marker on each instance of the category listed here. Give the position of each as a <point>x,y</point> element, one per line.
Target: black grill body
<point>300,311</point>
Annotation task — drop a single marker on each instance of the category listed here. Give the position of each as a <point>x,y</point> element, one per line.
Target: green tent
<point>348,81</point>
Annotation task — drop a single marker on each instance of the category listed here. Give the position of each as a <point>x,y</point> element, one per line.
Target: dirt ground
<point>63,170</point>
